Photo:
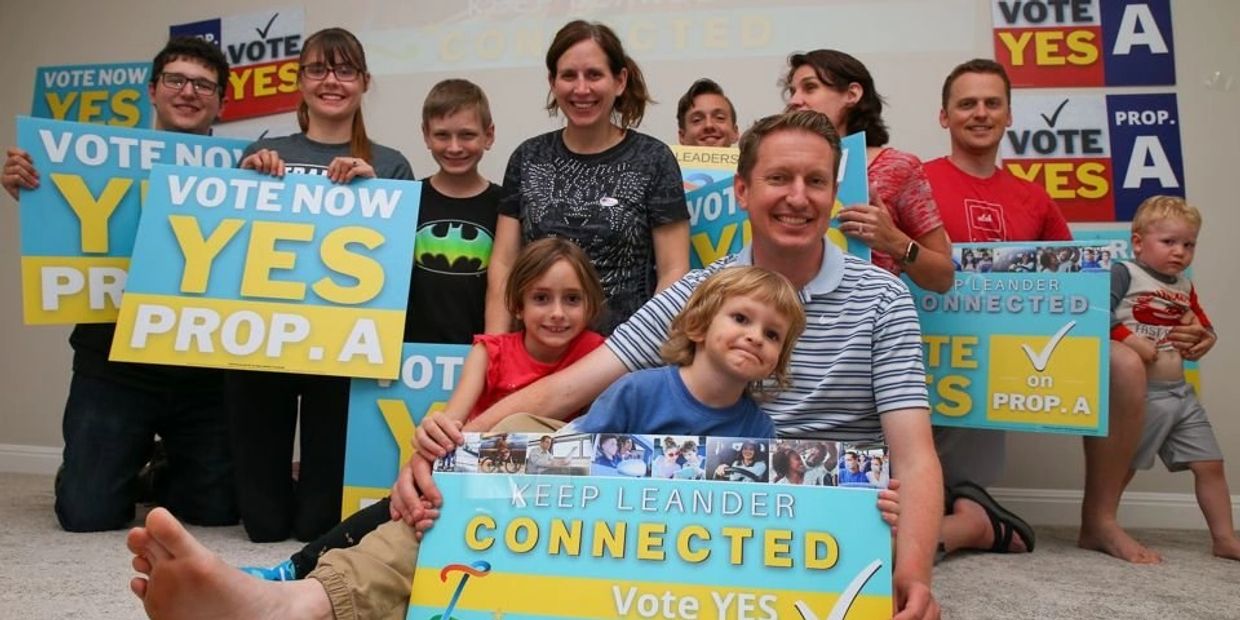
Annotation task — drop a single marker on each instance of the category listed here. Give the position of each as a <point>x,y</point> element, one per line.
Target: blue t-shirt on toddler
<point>655,401</point>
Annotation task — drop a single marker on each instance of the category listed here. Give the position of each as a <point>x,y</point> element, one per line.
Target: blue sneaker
<point>280,572</point>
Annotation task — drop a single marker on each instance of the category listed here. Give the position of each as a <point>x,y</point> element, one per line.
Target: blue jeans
<point>109,427</point>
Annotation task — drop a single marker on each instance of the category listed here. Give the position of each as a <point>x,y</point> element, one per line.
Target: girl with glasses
<point>264,406</point>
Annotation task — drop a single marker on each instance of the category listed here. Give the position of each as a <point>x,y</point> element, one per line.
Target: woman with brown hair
<point>901,225</point>
<point>615,192</point>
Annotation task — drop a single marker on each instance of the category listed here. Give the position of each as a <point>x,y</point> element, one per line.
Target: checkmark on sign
<point>1043,357</point>
<point>262,33</point>
<point>1050,122</point>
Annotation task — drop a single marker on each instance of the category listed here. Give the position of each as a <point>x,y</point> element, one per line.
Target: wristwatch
<point>910,254</point>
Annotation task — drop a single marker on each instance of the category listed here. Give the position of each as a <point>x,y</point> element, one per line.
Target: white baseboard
<point>1053,507</point>
<point>1062,507</point>
<point>18,459</point>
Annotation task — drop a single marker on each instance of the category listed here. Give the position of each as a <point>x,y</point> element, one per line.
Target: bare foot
<point>1112,540</point>
<point>183,579</point>
<point>1227,548</point>
<point>983,536</point>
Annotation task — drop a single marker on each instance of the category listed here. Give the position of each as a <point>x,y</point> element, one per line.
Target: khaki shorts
<point>1176,429</point>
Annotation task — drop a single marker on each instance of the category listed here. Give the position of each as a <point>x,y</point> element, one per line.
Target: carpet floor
<point>48,573</point>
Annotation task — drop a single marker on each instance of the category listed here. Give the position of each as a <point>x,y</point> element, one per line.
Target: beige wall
<point>36,360</point>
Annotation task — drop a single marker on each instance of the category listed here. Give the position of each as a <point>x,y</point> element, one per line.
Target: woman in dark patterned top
<point>615,192</point>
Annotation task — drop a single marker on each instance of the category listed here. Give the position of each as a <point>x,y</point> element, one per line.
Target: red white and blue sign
<point>1098,156</point>
<point>262,51</point>
<point>1048,43</point>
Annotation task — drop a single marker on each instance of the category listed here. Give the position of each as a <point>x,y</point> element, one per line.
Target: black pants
<point>348,533</point>
<point>109,427</point>
<point>264,409</point>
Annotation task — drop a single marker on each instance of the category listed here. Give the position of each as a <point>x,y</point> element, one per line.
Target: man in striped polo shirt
<point>857,370</point>
<point>857,374</point>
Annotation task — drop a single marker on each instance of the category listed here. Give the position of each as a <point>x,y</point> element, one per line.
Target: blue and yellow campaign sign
<point>556,546</point>
<point>1022,340</point>
<point>112,94</point>
<point>78,227</point>
<point>383,414</point>
<point>236,269</point>
<point>718,226</point>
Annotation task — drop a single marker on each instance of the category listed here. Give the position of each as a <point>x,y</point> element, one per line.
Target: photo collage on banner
<point>577,525</point>
<point>809,462</point>
<point>718,226</point>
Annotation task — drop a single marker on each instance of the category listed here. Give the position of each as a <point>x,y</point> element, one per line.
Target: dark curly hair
<point>837,70</point>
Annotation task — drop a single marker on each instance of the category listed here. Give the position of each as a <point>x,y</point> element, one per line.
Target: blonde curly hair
<point>1159,208</point>
<point>761,284</point>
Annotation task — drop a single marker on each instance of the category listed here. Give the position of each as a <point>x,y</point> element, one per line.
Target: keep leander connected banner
<point>718,226</point>
<point>112,94</point>
<point>384,413</point>
<point>598,535</point>
<point>1022,341</point>
<point>78,227</point>
<point>235,269</point>
<point>1098,156</point>
<point>1052,43</point>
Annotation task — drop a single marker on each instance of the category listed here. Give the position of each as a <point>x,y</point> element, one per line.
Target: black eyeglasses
<point>176,81</point>
<point>319,71</point>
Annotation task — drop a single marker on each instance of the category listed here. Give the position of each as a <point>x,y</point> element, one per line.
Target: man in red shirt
<point>980,202</point>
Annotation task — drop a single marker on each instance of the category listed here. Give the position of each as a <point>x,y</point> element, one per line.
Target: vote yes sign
<point>235,269</point>
<point>78,227</point>
<point>1084,42</point>
<point>113,94</point>
<point>262,51</point>
<point>1098,156</point>
<point>383,415</point>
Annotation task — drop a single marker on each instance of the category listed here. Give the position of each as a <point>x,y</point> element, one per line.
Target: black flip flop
<point>1005,523</point>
